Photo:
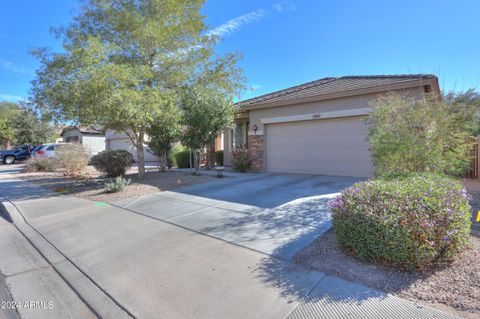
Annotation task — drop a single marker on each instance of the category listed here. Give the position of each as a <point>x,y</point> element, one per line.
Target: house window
<point>238,135</point>
<point>72,139</point>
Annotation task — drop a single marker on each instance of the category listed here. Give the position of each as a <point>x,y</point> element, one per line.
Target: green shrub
<point>117,185</point>
<point>173,153</point>
<point>240,160</point>
<point>41,164</point>
<point>113,162</point>
<point>426,135</point>
<point>182,159</point>
<point>219,158</point>
<point>411,222</point>
<point>73,158</point>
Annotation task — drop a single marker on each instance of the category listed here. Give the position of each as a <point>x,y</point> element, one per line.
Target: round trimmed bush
<point>172,155</point>
<point>219,158</point>
<point>182,159</point>
<point>409,222</point>
<point>113,162</point>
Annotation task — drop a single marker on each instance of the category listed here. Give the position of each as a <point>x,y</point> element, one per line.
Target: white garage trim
<point>317,116</point>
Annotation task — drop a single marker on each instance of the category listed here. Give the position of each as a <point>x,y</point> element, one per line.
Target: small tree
<point>205,112</point>
<point>427,135</point>
<point>6,133</point>
<point>163,131</point>
<point>8,111</point>
<point>123,60</point>
<point>29,128</point>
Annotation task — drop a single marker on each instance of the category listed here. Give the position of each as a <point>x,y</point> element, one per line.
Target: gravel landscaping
<point>91,185</point>
<point>454,288</point>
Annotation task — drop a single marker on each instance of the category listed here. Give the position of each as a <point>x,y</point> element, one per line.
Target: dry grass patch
<point>91,184</point>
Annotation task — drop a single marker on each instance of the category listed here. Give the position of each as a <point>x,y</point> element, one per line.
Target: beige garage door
<point>323,147</point>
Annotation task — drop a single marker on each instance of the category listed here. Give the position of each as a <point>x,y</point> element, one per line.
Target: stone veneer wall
<point>255,152</point>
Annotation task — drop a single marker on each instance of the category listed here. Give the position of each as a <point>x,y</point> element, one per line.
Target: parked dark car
<point>16,154</point>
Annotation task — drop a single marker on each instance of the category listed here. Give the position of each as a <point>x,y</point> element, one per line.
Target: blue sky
<point>285,43</point>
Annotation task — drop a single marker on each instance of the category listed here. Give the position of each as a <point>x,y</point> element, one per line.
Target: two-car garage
<point>318,127</point>
<point>322,147</point>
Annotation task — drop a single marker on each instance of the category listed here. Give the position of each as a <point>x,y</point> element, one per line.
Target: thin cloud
<point>12,67</point>
<point>234,24</point>
<point>10,98</point>
<point>255,87</point>
<point>284,6</point>
<point>9,36</point>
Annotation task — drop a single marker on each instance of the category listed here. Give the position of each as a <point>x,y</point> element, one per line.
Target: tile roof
<point>332,85</point>
<point>87,129</point>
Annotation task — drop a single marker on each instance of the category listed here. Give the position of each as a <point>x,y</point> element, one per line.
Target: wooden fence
<point>473,171</point>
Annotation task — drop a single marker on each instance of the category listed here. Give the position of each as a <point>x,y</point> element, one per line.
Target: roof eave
<point>74,128</point>
<point>371,90</point>
<point>92,133</point>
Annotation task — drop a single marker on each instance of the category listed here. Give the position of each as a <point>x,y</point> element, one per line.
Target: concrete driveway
<point>208,251</point>
<point>173,257</point>
<point>276,214</point>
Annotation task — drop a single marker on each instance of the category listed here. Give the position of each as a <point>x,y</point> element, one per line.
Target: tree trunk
<point>163,161</point>
<point>211,155</point>
<point>6,144</point>
<point>140,157</point>
<point>196,161</point>
<point>190,158</point>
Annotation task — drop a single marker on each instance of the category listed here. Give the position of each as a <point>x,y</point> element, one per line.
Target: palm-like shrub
<point>117,185</point>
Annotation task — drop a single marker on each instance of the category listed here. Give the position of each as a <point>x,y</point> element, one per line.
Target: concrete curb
<point>6,297</point>
<point>97,300</point>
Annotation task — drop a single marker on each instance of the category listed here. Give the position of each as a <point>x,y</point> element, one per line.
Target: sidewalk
<point>147,268</point>
<point>154,269</point>
<point>28,277</point>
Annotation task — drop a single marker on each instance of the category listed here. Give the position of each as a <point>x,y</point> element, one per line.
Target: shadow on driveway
<point>267,190</point>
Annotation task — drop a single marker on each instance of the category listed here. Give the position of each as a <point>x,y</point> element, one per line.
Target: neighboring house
<point>91,137</point>
<point>58,133</point>
<point>120,141</point>
<point>317,127</point>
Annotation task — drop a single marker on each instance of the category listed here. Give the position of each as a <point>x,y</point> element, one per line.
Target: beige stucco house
<point>317,127</point>
<point>91,137</point>
<point>119,141</point>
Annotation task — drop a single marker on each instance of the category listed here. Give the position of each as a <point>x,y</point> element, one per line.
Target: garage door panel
<point>344,157</point>
<point>327,147</point>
